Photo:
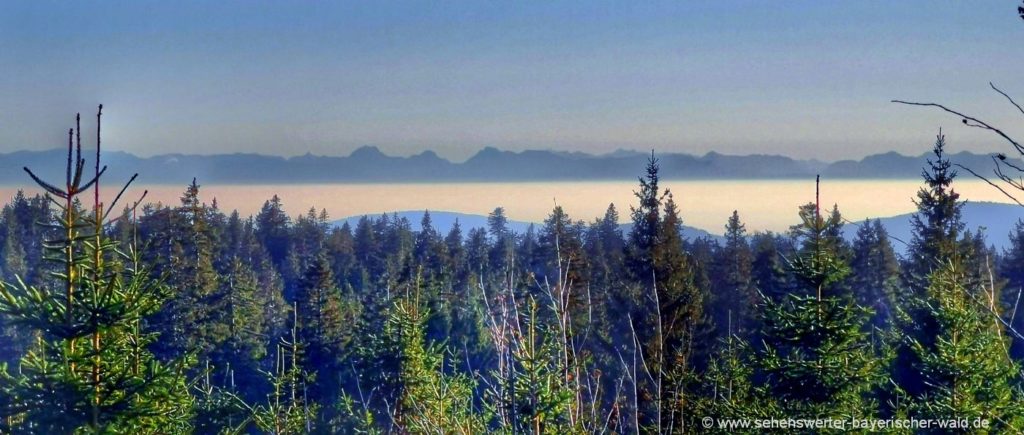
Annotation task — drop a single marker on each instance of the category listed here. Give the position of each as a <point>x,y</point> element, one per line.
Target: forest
<point>185,318</point>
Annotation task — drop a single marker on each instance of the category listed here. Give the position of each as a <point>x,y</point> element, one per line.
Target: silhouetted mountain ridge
<point>369,164</point>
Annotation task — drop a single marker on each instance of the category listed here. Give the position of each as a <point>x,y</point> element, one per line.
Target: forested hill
<point>995,221</point>
<point>443,221</point>
<point>368,164</point>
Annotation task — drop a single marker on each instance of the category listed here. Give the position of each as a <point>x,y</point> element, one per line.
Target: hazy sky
<point>800,78</point>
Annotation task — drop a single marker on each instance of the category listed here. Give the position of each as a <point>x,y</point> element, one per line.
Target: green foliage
<point>937,225</point>
<point>432,401</point>
<point>733,298</point>
<point>875,272</point>
<point>529,390</point>
<point>818,358</point>
<point>728,388</point>
<point>90,370</point>
<point>966,368</point>
<point>565,328</point>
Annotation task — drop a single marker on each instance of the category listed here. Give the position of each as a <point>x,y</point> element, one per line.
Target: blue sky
<point>801,78</point>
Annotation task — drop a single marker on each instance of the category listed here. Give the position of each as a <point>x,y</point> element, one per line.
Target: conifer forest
<point>467,217</point>
<point>135,317</point>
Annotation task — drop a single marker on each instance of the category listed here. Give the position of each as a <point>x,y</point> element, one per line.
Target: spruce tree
<point>503,244</point>
<point>272,224</point>
<point>937,226</point>
<point>730,388</point>
<point>937,239</point>
<point>604,245</point>
<point>195,318</point>
<point>1011,268</point>
<point>287,408</point>
<point>875,272</point>
<point>734,297</point>
<point>244,304</point>
<point>325,320</point>
<point>818,360</point>
<point>966,369</point>
<point>432,400</point>
<point>91,370</point>
<point>665,304</point>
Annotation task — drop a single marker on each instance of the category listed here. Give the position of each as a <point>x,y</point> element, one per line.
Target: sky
<point>806,79</point>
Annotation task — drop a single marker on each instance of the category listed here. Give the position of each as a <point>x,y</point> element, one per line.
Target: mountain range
<point>369,165</point>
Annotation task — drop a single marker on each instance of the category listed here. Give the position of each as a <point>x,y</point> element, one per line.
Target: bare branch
<point>1007,97</point>
<point>969,121</point>
<point>990,183</point>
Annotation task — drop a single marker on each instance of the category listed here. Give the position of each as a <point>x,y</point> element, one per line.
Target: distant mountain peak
<point>488,153</point>
<point>366,151</point>
<point>427,155</point>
